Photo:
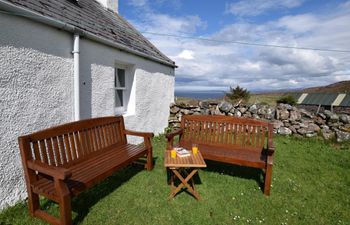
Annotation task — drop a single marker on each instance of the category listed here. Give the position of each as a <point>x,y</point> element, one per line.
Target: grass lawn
<point>311,185</point>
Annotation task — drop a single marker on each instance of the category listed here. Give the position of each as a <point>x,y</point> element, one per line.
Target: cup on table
<point>194,149</point>
<point>173,153</point>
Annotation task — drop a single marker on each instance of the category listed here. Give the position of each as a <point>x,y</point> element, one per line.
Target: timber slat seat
<point>61,162</point>
<point>240,141</point>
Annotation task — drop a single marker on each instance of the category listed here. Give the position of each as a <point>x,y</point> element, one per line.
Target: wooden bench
<point>63,161</point>
<point>228,139</point>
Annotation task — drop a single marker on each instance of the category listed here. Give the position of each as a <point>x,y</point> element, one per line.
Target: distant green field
<point>310,186</point>
<point>269,98</point>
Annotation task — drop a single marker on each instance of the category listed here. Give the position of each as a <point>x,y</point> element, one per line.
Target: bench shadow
<point>82,203</point>
<point>237,171</point>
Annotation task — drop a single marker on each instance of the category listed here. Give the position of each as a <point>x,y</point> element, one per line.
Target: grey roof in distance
<point>324,99</point>
<point>90,16</point>
<point>346,101</point>
<point>320,99</point>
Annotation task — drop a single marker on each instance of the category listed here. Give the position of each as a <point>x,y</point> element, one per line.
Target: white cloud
<point>213,66</point>
<point>186,54</point>
<point>257,7</point>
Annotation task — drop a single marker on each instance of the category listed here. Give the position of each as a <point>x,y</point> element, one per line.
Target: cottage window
<point>120,89</point>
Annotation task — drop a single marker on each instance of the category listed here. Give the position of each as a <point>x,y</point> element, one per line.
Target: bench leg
<point>149,165</point>
<point>65,210</point>
<point>33,202</point>
<point>268,176</point>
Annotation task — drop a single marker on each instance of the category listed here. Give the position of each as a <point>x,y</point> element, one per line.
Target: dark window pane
<point>118,98</point>
<point>120,78</point>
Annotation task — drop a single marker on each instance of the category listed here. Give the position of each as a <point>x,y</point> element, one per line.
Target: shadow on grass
<point>237,171</point>
<point>82,203</point>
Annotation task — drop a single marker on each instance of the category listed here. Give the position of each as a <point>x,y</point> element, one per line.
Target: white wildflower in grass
<point>242,193</point>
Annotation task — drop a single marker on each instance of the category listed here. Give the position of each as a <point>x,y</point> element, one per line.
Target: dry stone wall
<point>287,119</point>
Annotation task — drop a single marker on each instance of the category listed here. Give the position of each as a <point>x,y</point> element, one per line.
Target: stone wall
<point>287,119</point>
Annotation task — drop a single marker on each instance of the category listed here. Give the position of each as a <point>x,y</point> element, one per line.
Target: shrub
<point>238,94</point>
<point>288,99</point>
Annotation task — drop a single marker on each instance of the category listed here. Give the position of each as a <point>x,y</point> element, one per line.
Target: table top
<point>188,161</point>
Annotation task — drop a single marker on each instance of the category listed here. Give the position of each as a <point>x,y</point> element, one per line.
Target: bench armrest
<point>171,136</point>
<point>52,171</point>
<point>270,147</point>
<point>140,134</point>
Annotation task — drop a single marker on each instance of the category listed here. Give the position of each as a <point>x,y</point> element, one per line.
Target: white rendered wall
<point>152,87</point>
<point>36,90</point>
<point>36,74</point>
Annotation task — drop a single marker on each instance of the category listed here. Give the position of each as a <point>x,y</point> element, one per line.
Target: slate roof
<point>90,16</point>
<point>325,99</point>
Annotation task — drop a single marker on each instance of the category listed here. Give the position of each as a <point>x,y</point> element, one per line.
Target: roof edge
<point>23,12</point>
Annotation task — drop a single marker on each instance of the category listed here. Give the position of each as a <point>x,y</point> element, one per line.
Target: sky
<point>201,37</point>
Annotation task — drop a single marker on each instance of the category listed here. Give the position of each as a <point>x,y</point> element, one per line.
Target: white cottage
<point>65,60</point>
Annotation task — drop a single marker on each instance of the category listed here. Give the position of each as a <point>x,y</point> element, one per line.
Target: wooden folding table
<point>188,166</point>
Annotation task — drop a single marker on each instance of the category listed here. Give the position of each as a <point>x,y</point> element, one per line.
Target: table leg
<point>184,182</point>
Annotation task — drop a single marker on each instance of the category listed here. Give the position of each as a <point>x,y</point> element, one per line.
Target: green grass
<point>311,185</point>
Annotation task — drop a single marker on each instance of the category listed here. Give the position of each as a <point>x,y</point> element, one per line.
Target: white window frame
<point>123,108</point>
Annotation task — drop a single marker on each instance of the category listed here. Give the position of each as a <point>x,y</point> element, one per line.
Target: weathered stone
<point>306,114</point>
<point>242,109</point>
<point>313,128</point>
<point>294,115</point>
<point>230,114</point>
<point>333,125</point>
<point>344,118</point>
<point>270,113</point>
<point>303,125</point>
<point>247,114</point>
<point>176,125</point>
<point>174,109</point>
<point>302,131</point>
<point>204,104</point>
<point>327,113</point>
<point>256,116</point>
<point>325,127</point>
<point>284,106</point>
<point>284,114</point>
<point>238,113</point>
<point>323,116</point>
<point>293,129</point>
<point>310,135</point>
<point>319,121</point>
<point>286,123</point>
<point>225,106</point>
<point>173,120</point>
<point>197,113</point>
<point>284,131</point>
<point>196,109</point>
<point>205,111</point>
<point>186,111</point>
<point>342,136</point>
<point>253,109</point>
<point>331,117</point>
<point>218,112</point>
<point>327,134</point>
<point>277,124</point>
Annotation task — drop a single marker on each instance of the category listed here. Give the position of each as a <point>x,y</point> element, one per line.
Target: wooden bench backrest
<point>69,143</point>
<point>226,131</point>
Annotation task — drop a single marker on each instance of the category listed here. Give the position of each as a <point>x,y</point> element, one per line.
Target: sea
<point>200,94</point>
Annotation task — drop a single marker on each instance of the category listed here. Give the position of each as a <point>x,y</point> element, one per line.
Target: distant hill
<point>339,87</point>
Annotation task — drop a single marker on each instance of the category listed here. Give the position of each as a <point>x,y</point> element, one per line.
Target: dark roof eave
<point>21,11</point>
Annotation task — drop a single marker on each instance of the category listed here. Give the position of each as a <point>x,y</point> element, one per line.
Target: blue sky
<point>214,66</point>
